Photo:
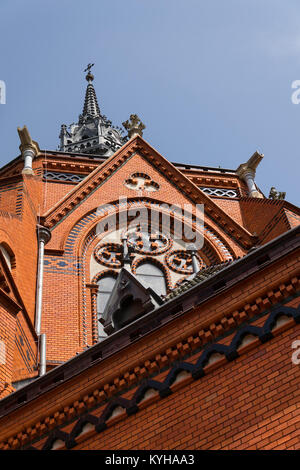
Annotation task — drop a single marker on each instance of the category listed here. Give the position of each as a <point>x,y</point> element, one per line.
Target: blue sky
<point>210,79</point>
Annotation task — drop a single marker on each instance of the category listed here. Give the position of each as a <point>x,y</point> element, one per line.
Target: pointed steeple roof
<point>93,133</point>
<point>91,107</point>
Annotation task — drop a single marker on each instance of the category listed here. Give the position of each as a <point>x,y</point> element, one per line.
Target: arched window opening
<point>106,285</point>
<point>8,255</point>
<point>152,276</point>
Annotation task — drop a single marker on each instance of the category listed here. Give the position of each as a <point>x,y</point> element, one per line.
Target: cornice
<point>10,165</point>
<point>14,171</point>
<point>215,180</point>
<point>80,167</point>
<point>11,179</point>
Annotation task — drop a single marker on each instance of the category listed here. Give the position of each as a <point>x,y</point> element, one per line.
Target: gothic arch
<point>215,245</point>
<point>79,242</point>
<point>83,238</point>
<point>148,259</point>
<point>102,274</point>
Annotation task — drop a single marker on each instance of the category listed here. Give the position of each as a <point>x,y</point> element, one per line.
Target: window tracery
<point>180,261</point>
<point>155,258</point>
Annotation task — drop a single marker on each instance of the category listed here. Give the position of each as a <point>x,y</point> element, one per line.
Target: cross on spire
<point>89,66</point>
<point>89,75</point>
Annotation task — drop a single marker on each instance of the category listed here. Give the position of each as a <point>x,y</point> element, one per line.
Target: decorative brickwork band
<point>220,192</point>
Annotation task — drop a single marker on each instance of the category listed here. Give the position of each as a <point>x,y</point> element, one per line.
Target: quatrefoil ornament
<point>181,261</point>
<point>148,243</point>
<point>109,254</point>
<point>141,182</point>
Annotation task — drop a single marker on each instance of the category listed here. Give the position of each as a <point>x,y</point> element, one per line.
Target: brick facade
<point>242,397</point>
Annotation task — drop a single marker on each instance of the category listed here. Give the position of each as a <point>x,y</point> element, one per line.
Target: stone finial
<point>26,141</point>
<point>29,149</point>
<point>276,194</point>
<point>246,171</point>
<point>134,126</point>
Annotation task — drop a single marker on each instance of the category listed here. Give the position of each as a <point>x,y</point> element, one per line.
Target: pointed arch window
<point>152,276</point>
<point>105,287</point>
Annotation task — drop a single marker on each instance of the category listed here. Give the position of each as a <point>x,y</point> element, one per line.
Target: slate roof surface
<point>202,275</point>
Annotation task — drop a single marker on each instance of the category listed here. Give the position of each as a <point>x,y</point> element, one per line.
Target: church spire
<point>93,133</point>
<point>91,107</point>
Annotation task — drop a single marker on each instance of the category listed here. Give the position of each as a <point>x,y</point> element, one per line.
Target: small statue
<point>276,194</point>
<point>134,126</point>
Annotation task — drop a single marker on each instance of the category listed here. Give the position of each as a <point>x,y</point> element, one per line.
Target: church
<point>144,304</point>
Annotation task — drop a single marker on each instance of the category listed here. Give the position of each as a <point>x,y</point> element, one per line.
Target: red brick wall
<point>223,410</point>
<point>232,208</point>
<point>8,199</point>
<point>257,213</point>
<point>61,316</point>
<point>252,403</point>
<point>18,233</point>
<point>54,192</point>
<point>7,336</point>
<point>25,351</point>
<point>258,389</point>
<point>24,239</point>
